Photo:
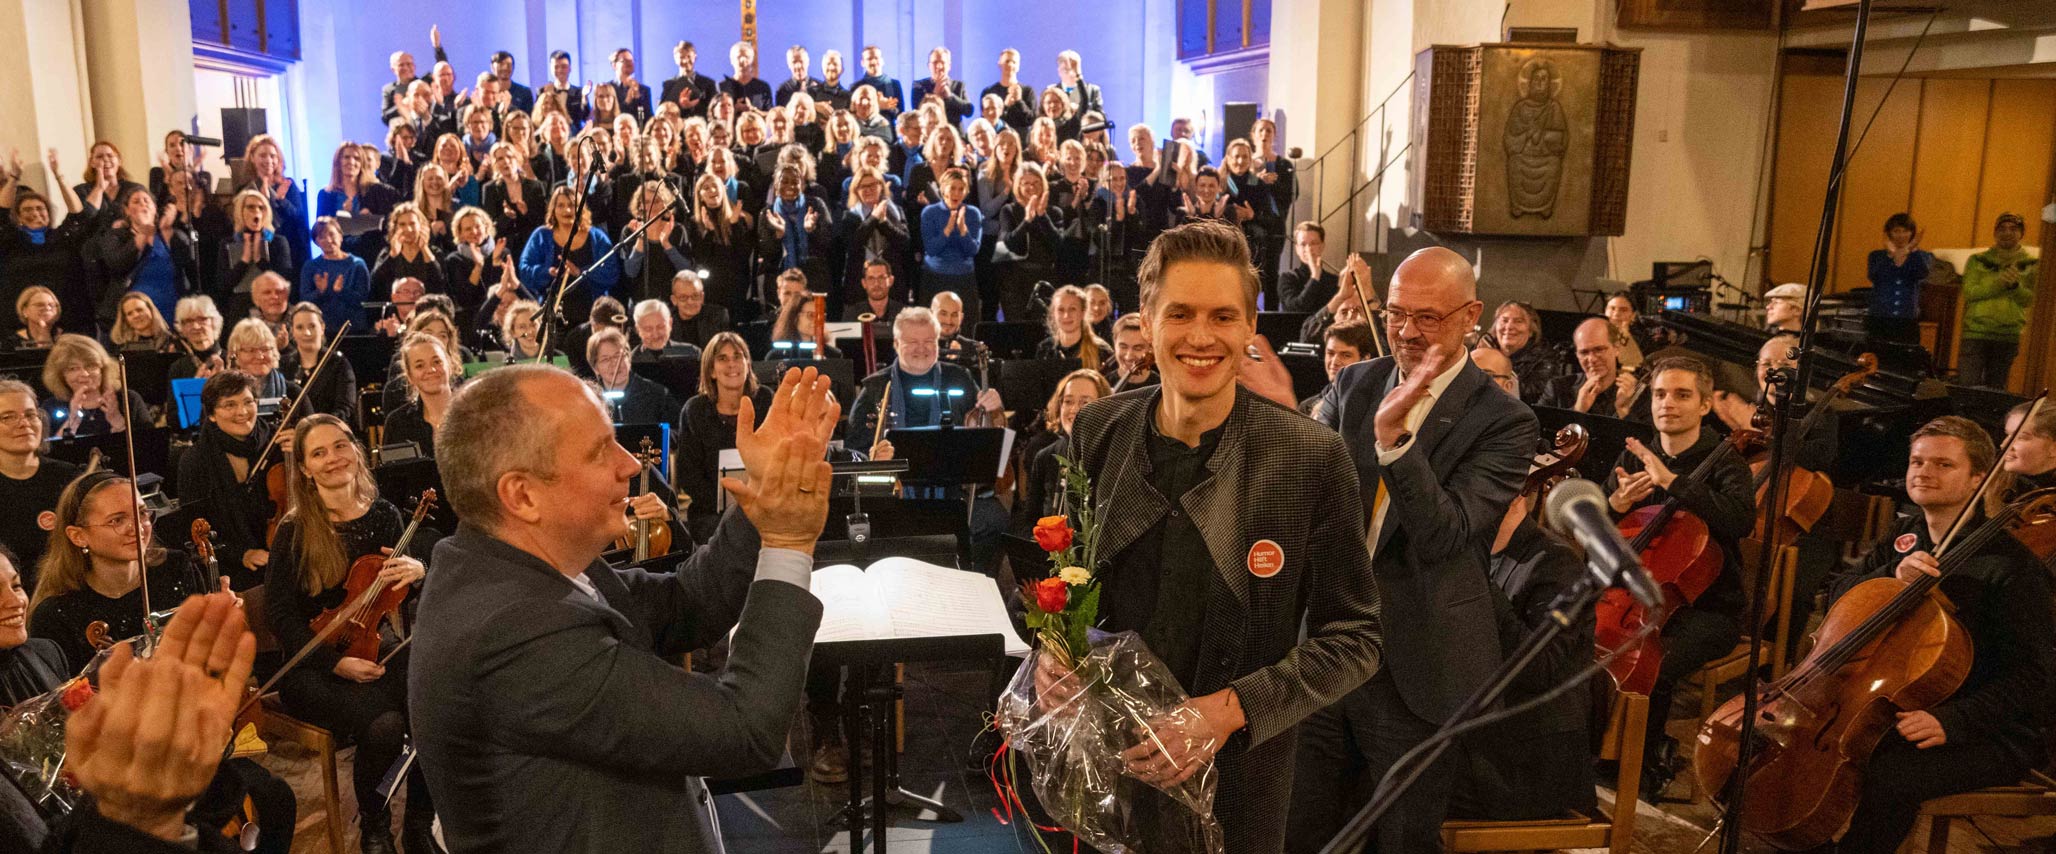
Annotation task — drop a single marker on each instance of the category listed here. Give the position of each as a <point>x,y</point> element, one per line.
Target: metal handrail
<point>1374,111</point>
<point>1353,137</point>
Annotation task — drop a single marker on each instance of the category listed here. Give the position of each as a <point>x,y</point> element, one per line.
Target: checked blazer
<point>1277,476</point>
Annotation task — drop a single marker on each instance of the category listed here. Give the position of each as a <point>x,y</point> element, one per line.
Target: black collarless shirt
<point>1161,582</point>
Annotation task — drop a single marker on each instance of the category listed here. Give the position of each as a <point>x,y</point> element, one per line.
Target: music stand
<point>185,397</point>
<point>1026,384</point>
<point>841,373</point>
<point>1278,327</point>
<point>153,449</point>
<point>869,707</point>
<point>25,366</point>
<point>1309,374</point>
<point>1016,340</point>
<point>369,355</point>
<point>149,374</point>
<point>399,482</point>
<point>679,375</point>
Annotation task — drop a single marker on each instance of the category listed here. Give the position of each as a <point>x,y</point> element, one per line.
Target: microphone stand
<point>1583,595</point>
<point>1794,385</point>
<point>555,305</point>
<point>550,317</point>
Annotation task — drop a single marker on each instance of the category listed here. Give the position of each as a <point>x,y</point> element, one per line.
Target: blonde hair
<point>1088,341</point>
<point>320,548</point>
<point>1052,416</point>
<point>236,208</point>
<point>423,339</point>
<point>515,312</point>
<point>71,349</point>
<point>394,226</point>
<point>251,332</point>
<point>64,566</point>
<point>21,300</point>
<point>485,221</point>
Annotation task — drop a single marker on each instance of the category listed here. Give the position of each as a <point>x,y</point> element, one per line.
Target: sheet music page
<point>926,600</point>
<point>850,606</point>
<point>1006,452</point>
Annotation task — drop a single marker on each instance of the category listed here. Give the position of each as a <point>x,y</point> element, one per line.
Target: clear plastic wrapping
<point>1073,728</point>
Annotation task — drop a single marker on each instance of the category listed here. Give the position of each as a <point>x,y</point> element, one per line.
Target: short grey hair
<point>649,306</point>
<point>912,315</point>
<point>197,305</point>
<point>490,430</point>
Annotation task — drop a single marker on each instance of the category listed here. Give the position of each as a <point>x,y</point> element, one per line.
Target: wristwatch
<point>1399,442</point>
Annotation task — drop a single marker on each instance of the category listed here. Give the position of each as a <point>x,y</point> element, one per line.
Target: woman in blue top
<point>566,245</point>
<point>288,202</point>
<point>335,281</point>
<point>142,252</point>
<point>951,232</point>
<point>1896,274</point>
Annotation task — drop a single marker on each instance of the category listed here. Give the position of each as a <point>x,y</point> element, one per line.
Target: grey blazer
<point>1445,498</point>
<point>547,721</point>
<point>1275,476</point>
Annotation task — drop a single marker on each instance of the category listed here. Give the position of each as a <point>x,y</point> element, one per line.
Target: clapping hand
<point>1390,421</point>
<point>1630,488</point>
<point>1265,374</point>
<point>776,221</point>
<point>786,495</point>
<point>1652,465</point>
<point>812,217</point>
<point>148,744</point>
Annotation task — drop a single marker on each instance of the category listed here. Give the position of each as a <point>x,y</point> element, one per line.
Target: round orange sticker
<point>1265,559</point>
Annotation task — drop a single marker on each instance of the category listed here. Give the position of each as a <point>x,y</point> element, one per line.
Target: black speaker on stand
<point>1236,119</point>
<point>239,125</point>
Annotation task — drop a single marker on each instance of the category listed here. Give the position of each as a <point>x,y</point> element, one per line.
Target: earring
<point>88,550</point>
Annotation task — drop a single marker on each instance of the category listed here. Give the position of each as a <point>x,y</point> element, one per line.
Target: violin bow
<point>1986,482</point>
<point>1356,284</point>
<point>286,417</point>
<point>128,434</point>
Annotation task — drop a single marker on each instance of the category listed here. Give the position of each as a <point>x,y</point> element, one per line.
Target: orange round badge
<point>1265,559</point>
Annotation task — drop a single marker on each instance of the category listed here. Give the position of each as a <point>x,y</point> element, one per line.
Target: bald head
<point>1433,304</point>
<point>1597,355</point>
<point>1497,366</point>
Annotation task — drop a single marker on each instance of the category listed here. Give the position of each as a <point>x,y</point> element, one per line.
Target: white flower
<point>1075,575</point>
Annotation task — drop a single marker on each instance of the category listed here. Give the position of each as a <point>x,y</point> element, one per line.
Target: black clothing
<point>1167,609</point>
<point>336,391</point>
<point>508,222</point>
<point>1044,484</point>
<point>372,714</point>
<point>1708,627</point>
<point>755,95</point>
<point>92,422</point>
<point>232,290</point>
<point>789,88</point>
<point>111,265</point>
<point>24,499</point>
<point>700,328</point>
<point>1034,245</point>
<point>727,282</point>
<point>1020,114</point>
<point>1537,765</point>
<point>703,433</point>
<point>406,424</point>
<point>1535,365</point>
<point>1050,349</point>
<point>457,266</point>
<point>31,670</point>
<point>55,263</point>
<point>863,413</point>
<point>643,401</point>
<point>1298,290</point>
<point>674,89</point>
<point>850,313</point>
<point>859,239</point>
<point>1562,393</point>
<point>239,509</point>
<point>391,268</point>
<point>63,618</point>
<point>647,275</point>
<point>954,103</point>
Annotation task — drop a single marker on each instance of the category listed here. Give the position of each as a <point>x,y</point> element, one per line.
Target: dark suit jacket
<point>1275,476</point>
<point>548,722</point>
<point>954,103</point>
<point>702,328</point>
<point>863,417</point>
<point>1445,496</point>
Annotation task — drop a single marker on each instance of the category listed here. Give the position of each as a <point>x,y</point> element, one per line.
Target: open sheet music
<point>904,598</point>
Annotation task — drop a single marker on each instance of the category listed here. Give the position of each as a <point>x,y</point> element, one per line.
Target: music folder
<point>951,455</point>
<point>897,598</point>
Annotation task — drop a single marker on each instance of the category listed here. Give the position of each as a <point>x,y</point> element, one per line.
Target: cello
<point>1682,557</point>
<point>352,627</point>
<point>1886,646</point>
<point>1556,461</point>
<point>1806,494</point>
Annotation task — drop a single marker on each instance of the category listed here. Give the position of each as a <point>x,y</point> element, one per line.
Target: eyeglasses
<point>120,521</point>
<point>1427,322</point>
<point>11,420</point>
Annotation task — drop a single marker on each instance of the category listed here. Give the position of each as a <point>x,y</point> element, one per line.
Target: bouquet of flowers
<point>32,749</point>
<point>1083,698</point>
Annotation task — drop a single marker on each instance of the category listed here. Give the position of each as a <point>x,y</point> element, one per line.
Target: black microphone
<point>203,140</point>
<point>1579,507</point>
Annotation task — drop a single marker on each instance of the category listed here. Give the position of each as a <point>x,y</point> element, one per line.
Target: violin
<point>352,627</point>
<point>1679,551</point>
<point>1806,494</point>
<point>1886,646</point>
<point>204,551</point>
<point>275,476</point>
<point>644,536</point>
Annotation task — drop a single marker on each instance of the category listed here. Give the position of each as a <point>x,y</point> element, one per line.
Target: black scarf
<point>217,439</point>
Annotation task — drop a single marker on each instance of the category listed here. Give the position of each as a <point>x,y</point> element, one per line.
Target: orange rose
<point>1051,594</point>
<point>1053,533</point>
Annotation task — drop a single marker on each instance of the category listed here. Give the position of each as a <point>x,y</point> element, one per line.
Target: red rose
<point>76,695</point>
<point>1053,533</point>
<point>1051,595</point>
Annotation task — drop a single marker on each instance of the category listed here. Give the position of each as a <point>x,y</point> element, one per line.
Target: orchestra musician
<point>1131,366</point>
<point>1070,335</point>
<point>199,332</point>
<point>1537,765</point>
<point>954,346</point>
<point>1994,727</point>
<point>335,516</point>
<point>545,707</point>
<point>429,371</point>
<point>2031,459</point>
<point>707,425</point>
<point>90,574</point>
<point>633,398</point>
<point>1602,387</point>
<point>1439,452</point>
<point>1206,467</point>
<point>1680,389</point>
<point>88,398</point>
<point>253,351</point>
<point>1344,344</point>
<point>223,478</point>
<point>335,390</point>
<point>917,389</point>
<point>30,482</point>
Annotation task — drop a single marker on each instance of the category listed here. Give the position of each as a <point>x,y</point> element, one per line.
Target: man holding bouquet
<point>1225,542</point>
